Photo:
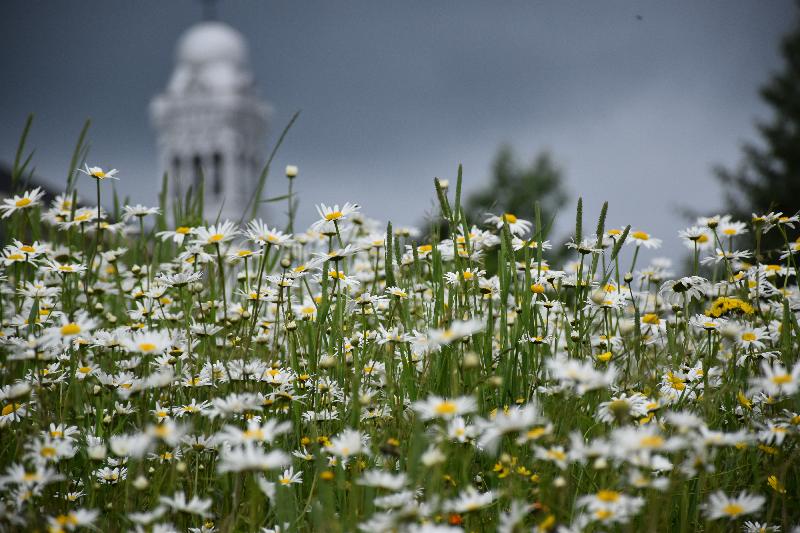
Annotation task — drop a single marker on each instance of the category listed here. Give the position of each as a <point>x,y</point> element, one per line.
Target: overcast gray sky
<point>636,99</point>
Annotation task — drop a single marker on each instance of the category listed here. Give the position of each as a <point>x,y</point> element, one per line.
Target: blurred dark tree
<point>514,187</point>
<point>768,176</point>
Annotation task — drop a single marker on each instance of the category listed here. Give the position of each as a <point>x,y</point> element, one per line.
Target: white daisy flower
<point>98,173</point>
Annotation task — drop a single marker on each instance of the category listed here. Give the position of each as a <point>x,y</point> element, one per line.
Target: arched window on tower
<point>217,173</point>
<point>197,166</point>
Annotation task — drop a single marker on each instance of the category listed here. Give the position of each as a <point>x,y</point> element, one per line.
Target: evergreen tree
<point>515,187</point>
<point>768,176</point>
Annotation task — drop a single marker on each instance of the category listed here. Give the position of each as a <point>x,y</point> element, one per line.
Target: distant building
<point>210,120</point>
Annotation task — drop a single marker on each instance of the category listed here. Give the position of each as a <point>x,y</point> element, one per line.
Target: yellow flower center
<point>729,231</point>
<point>537,288</point>
<point>651,318</point>
<point>67,520</point>
<point>604,514</point>
<point>748,336</point>
<point>256,434</point>
<point>85,369</point>
<point>703,238</point>
<point>183,230</point>
<point>558,455</point>
<point>781,379</point>
<point>15,257</point>
<point>147,346</point>
<point>446,408</point>
<point>535,433</point>
<point>47,451</point>
<point>216,237</point>
<point>22,202</point>
<point>652,441</point>
<point>608,496</point>
<point>604,357</point>
<point>640,235</point>
<point>467,275</point>
<point>333,215</point>
<point>27,249</point>
<point>10,408</point>
<point>70,329</point>
<point>425,248</point>
<point>508,217</point>
<point>733,509</point>
<point>99,174</point>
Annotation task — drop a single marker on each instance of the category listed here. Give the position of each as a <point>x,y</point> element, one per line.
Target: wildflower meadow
<point>165,372</point>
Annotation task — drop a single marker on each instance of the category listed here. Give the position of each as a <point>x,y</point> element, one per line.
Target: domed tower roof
<point>211,58</point>
<point>211,41</point>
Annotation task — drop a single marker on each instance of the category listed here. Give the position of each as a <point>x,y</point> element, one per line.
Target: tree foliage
<point>515,187</point>
<point>768,176</point>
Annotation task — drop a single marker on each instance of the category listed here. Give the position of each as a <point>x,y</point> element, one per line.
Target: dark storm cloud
<point>636,99</point>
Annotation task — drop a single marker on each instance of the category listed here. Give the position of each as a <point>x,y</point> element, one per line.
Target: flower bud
<point>432,456</point>
<point>291,171</point>
<point>140,483</point>
<point>98,452</point>
<point>626,326</point>
<point>729,331</point>
<point>599,296</point>
<point>471,360</point>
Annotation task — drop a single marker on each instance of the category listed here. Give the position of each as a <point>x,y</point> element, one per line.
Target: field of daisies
<point>161,372</point>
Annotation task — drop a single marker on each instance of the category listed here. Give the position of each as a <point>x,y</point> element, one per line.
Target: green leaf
<point>78,156</point>
<point>262,178</point>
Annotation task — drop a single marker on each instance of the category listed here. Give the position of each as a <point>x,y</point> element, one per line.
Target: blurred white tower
<point>210,120</point>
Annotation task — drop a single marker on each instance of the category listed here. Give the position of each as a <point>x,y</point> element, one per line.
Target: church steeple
<point>210,120</point>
